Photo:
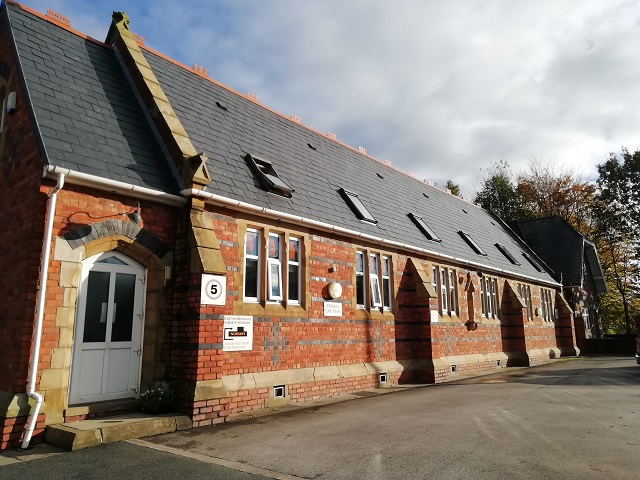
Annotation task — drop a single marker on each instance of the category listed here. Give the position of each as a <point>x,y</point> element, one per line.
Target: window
<point>444,282</point>
<point>272,272</point>
<point>274,267</point>
<point>386,283</point>
<point>533,263</point>
<point>472,243</point>
<point>489,296</point>
<point>507,254</point>
<point>251,265</point>
<point>373,281</point>
<point>360,295</point>
<point>268,176</point>
<point>357,206</point>
<point>547,304</point>
<point>294,270</point>
<point>424,228</point>
<point>525,293</point>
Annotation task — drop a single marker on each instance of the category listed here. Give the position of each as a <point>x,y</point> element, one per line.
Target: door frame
<point>87,265</point>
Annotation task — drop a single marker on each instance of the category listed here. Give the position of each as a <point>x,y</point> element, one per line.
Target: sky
<point>441,89</point>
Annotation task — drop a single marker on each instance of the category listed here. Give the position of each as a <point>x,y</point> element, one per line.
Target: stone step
<point>91,433</point>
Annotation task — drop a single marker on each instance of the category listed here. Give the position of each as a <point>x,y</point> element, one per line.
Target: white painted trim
<point>94,181</point>
<point>307,222</point>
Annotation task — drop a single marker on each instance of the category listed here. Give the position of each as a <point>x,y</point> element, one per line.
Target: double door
<point>107,349</point>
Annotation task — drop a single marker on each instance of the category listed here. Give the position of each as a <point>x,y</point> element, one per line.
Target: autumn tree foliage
<point>541,191</point>
<point>548,190</point>
<point>617,231</point>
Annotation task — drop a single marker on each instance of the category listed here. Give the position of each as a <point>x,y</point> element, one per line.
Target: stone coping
<point>91,433</point>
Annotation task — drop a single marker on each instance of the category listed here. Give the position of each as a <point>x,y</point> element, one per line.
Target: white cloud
<point>440,88</point>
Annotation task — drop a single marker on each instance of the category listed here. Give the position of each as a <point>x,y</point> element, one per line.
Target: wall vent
<point>278,391</point>
<point>382,378</point>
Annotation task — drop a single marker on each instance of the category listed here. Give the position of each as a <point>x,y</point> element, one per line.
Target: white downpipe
<point>35,355</point>
<point>327,227</point>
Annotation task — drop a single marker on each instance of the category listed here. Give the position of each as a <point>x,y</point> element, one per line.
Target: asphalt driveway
<point>572,419</point>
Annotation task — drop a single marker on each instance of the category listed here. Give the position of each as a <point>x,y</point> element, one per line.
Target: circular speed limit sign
<point>213,290</point>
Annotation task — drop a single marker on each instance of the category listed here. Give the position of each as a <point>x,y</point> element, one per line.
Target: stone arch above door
<point>70,250</point>
<point>109,228</point>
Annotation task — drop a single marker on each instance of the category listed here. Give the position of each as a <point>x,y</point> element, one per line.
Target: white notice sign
<point>213,290</point>
<point>237,333</point>
<point>434,316</point>
<point>332,309</point>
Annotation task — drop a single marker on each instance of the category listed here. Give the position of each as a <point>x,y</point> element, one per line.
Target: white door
<point>107,347</point>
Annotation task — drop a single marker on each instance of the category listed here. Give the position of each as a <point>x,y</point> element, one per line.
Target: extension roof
<point>564,249</point>
<point>91,121</point>
<point>88,116</point>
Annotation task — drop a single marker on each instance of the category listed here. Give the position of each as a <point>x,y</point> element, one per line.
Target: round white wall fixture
<point>334,289</point>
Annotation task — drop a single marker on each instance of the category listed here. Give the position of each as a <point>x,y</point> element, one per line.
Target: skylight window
<point>268,176</point>
<point>424,228</point>
<point>533,263</point>
<point>507,254</point>
<point>472,243</point>
<point>357,206</point>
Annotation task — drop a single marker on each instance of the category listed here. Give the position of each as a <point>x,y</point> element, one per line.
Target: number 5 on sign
<point>214,290</point>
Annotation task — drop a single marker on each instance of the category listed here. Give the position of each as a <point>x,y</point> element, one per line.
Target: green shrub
<point>158,399</point>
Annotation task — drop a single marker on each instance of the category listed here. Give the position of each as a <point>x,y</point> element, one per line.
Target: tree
<point>548,190</point>
<point>616,212</point>
<point>453,187</point>
<point>500,194</point>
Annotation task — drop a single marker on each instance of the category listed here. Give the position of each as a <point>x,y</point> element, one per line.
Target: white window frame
<point>274,264</point>
<point>364,283</point>
<point>257,259</point>
<point>444,293</point>
<point>374,281</point>
<point>525,294</point>
<point>386,292</point>
<point>494,296</point>
<point>453,292</point>
<point>296,264</point>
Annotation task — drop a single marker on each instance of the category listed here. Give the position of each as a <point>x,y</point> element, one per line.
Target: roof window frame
<point>426,230</point>
<point>358,207</point>
<point>472,243</point>
<point>533,262</point>
<point>268,176</point>
<point>504,251</point>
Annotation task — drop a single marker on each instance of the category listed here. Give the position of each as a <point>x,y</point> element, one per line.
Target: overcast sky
<point>442,89</point>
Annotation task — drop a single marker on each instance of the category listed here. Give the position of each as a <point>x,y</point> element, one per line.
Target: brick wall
<point>22,219</point>
<point>284,342</point>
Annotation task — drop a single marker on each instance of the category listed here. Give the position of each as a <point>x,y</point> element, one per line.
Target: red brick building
<point>274,264</point>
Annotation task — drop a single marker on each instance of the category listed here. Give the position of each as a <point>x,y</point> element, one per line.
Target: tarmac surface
<point>571,419</point>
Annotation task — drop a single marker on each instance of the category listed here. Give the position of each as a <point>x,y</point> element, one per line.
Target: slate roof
<point>91,122</point>
<point>316,174</point>
<point>89,118</point>
<point>564,249</point>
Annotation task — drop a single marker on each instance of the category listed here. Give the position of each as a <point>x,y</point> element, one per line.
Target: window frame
<point>426,230</point>
<point>270,271</point>
<point>296,265</point>
<point>274,262</point>
<point>357,206</point>
<point>377,286</point>
<point>386,279</point>
<point>443,280</point>
<point>546,300</point>
<point>258,261</point>
<point>525,294</point>
<point>472,243</point>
